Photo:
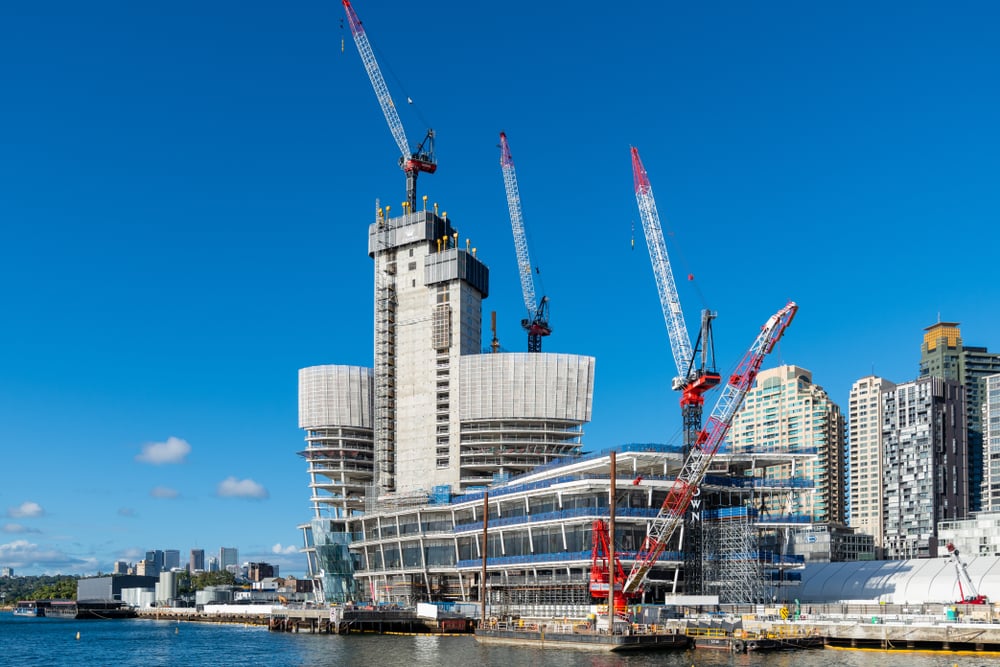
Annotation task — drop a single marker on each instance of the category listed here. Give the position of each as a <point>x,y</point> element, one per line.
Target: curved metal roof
<point>897,581</point>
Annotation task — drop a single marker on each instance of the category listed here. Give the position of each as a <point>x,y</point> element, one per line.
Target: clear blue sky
<point>185,190</point>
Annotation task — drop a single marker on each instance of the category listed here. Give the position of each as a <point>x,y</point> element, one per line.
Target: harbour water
<point>144,643</point>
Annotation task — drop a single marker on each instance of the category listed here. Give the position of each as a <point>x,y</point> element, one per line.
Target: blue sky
<point>185,190</point>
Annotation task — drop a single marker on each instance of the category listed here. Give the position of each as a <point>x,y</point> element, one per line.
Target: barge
<point>558,634</point>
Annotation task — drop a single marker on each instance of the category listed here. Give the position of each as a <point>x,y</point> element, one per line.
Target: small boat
<point>31,608</point>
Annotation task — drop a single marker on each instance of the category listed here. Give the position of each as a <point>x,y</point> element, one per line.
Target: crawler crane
<point>684,487</point>
<point>965,586</point>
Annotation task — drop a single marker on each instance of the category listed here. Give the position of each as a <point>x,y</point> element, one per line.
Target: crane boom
<point>966,589</point>
<point>671,514</point>
<point>536,324</point>
<point>412,162</point>
<point>680,340</point>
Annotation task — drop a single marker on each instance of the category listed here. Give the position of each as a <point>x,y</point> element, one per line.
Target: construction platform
<point>555,634</point>
<point>342,621</point>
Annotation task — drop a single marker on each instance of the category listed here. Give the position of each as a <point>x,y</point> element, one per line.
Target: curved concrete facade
<point>335,396</point>
<point>527,386</point>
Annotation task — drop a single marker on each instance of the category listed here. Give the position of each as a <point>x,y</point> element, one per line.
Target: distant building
<point>213,564</point>
<point>156,557</point>
<point>121,567</point>
<point>171,559</point>
<point>197,562</point>
<point>228,556</point>
<point>944,355</point>
<point>147,568</point>
<point>6,572</point>
<point>260,571</point>
<point>865,492</point>
<point>991,440</point>
<point>924,476</point>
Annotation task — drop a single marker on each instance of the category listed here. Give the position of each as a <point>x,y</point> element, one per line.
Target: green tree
<point>201,581</point>
<point>63,588</point>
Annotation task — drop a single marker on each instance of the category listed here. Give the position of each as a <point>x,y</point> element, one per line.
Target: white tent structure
<point>898,581</point>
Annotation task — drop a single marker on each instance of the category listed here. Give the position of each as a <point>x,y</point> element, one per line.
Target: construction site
<point>452,471</point>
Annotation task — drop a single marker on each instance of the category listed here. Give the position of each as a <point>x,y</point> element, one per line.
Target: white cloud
<point>25,510</point>
<point>174,450</point>
<point>24,555</point>
<point>18,528</point>
<point>164,492</point>
<point>241,488</point>
<point>290,549</point>
<point>126,512</point>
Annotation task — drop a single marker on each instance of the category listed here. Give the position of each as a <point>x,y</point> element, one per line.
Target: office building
<point>197,561</point>
<point>229,557</point>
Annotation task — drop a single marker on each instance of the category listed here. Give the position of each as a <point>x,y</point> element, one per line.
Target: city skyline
<point>186,197</point>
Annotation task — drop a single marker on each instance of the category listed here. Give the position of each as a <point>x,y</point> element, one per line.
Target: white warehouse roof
<point>898,581</point>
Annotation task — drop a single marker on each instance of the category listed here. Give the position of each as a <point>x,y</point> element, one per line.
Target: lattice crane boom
<point>966,589</point>
<point>671,514</point>
<point>680,340</point>
<point>536,324</point>
<point>412,161</point>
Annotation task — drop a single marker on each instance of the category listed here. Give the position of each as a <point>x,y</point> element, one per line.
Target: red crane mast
<point>671,514</point>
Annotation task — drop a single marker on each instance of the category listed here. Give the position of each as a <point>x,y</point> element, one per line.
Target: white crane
<point>411,161</point>
<point>537,322</point>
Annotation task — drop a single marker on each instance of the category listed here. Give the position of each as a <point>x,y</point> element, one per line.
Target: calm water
<point>141,643</point>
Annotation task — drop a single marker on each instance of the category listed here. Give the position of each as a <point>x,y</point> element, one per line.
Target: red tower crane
<point>697,461</point>
<point>412,161</point>
<point>537,322</point>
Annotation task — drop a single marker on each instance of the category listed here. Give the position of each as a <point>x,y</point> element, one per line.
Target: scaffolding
<point>738,575</point>
<point>385,355</point>
<point>551,596</point>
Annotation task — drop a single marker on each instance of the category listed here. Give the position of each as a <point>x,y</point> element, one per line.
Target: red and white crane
<point>692,379</point>
<point>696,372</point>
<point>671,514</point>
<point>412,161</point>
<point>966,589</point>
<point>537,322</point>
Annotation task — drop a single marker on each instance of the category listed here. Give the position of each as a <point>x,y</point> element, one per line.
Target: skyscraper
<point>197,562</point>
<point>786,414</point>
<point>171,559</point>
<point>923,476</point>
<point>228,556</point>
<point>944,355</point>
<point>865,490</point>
